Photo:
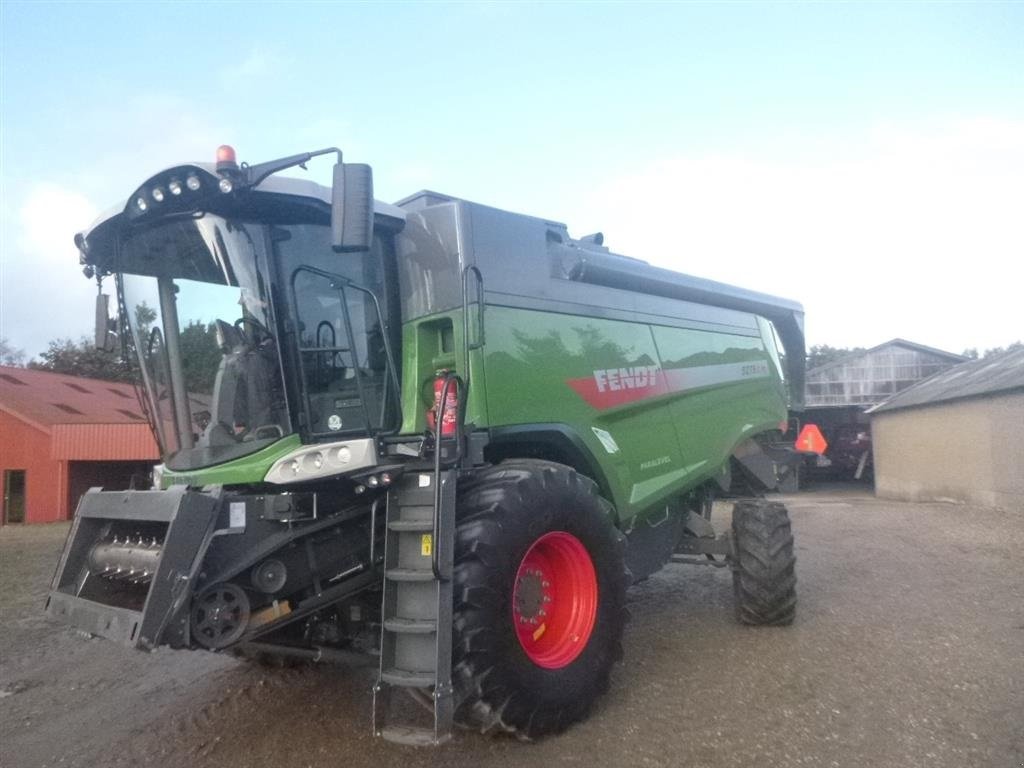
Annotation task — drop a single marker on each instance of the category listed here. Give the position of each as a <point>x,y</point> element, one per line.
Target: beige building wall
<point>967,451</point>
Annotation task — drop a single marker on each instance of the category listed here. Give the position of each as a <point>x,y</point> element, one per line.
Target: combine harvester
<point>437,435</point>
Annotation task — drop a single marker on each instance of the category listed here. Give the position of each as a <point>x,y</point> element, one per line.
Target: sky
<point>864,159</point>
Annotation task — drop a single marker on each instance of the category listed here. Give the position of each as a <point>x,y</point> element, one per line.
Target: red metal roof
<point>88,419</point>
<point>55,398</point>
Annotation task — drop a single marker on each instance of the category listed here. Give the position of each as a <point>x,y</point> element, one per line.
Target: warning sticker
<point>236,514</point>
<point>426,544</point>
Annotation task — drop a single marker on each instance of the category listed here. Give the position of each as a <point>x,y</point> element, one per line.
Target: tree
<point>200,355</point>
<point>144,317</point>
<point>971,353</point>
<point>81,358</point>
<point>11,355</point>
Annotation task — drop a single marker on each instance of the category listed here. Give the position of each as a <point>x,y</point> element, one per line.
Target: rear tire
<point>764,567</point>
<point>533,535</point>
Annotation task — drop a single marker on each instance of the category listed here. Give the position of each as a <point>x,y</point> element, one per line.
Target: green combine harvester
<point>436,435</point>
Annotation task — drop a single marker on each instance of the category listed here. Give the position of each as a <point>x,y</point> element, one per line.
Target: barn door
<point>14,496</point>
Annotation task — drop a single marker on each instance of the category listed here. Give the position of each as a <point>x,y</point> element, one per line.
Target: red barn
<point>61,435</point>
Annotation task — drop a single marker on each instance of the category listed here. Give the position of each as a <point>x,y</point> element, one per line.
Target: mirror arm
<point>254,174</point>
<point>352,205</point>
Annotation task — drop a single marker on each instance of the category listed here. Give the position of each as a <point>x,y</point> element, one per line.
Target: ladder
<point>416,619</point>
<point>419,552</point>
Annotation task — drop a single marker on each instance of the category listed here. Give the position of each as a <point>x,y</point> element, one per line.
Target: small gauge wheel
<point>220,615</point>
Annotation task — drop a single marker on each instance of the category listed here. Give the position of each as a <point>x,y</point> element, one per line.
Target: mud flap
<point>768,466</point>
<point>129,563</point>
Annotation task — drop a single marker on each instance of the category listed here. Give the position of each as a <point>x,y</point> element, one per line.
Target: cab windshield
<point>206,298</point>
<point>197,302</point>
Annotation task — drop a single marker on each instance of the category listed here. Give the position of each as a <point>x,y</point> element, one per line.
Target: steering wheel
<point>326,337</point>
<point>259,329</point>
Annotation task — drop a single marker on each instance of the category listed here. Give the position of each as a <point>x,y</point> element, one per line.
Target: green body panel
<point>664,440</point>
<point>658,407</point>
<point>430,344</point>
<point>536,367</point>
<point>243,471</point>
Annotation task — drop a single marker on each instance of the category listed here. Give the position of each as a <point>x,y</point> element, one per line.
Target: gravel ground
<point>908,650</point>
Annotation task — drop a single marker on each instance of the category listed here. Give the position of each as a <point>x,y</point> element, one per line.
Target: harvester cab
<point>227,281</point>
<point>436,435</point>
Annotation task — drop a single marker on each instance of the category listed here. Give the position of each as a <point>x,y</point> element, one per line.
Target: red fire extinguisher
<point>451,407</point>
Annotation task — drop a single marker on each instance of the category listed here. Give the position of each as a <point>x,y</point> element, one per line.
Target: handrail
<point>472,269</point>
<point>449,379</point>
<point>340,283</point>
<point>462,387</point>
<point>468,346</point>
<point>373,531</point>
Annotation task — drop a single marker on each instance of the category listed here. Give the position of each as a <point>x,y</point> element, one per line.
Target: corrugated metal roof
<point>46,398</point>
<point>995,374</point>
<point>911,345</point>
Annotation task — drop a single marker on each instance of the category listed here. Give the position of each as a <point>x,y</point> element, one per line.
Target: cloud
<point>44,295</point>
<point>139,136</point>
<point>118,143</point>
<point>252,69</point>
<point>49,219</point>
<point>901,231</point>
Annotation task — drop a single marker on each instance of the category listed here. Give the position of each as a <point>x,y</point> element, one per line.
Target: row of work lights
<point>175,188</point>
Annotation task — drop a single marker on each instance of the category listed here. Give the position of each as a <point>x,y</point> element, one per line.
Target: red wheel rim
<point>554,604</point>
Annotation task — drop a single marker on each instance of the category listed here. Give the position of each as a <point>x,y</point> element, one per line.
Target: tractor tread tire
<point>502,510</point>
<point>764,565</point>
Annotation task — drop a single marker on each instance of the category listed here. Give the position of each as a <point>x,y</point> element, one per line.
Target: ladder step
<point>416,626</point>
<point>411,626</point>
<point>415,498</point>
<point>408,679</point>
<point>416,526</point>
<point>412,736</point>
<point>409,574</point>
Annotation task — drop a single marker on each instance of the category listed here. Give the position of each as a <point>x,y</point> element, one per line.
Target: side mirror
<point>352,208</point>
<point>104,337</point>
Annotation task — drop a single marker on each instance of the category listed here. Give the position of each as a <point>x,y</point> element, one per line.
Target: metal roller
<point>220,615</point>
<point>131,560</point>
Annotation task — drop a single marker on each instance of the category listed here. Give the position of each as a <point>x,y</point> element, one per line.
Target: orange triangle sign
<point>811,439</point>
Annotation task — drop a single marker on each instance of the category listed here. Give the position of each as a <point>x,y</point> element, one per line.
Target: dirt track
<point>908,651</point>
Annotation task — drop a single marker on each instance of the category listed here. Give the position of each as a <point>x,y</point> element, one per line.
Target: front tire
<point>539,609</point>
<point>764,566</point>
